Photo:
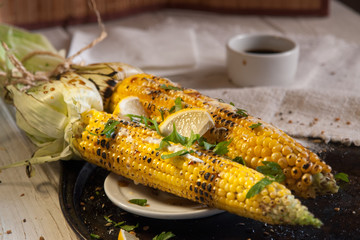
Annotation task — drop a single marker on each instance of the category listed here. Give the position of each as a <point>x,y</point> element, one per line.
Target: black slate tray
<point>85,204</point>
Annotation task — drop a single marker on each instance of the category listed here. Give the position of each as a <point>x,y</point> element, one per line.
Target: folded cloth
<point>164,48</point>
<point>330,114</point>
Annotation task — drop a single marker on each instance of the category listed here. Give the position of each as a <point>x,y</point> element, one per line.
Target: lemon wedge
<point>130,105</point>
<point>187,120</point>
<point>125,235</point>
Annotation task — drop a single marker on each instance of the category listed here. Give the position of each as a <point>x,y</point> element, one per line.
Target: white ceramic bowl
<point>261,60</point>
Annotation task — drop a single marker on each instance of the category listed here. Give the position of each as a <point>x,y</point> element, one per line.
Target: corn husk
<point>47,112</point>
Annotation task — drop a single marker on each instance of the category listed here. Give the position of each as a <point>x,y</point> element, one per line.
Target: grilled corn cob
<point>252,139</point>
<point>105,76</point>
<point>202,176</point>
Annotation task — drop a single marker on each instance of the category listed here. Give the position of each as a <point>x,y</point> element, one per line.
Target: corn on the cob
<point>201,176</point>
<point>305,173</point>
<point>105,76</point>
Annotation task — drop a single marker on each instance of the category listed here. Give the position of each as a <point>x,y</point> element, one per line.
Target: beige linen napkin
<point>329,115</point>
<point>154,48</point>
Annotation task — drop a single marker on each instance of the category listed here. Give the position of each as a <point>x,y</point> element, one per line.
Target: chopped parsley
<point>258,187</point>
<point>121,224</point>
<point>95,236</point>
<point>222,147</point>
<point>169,87</point>
<point>175,154</point>
<point>109,128</point>
<point>342,176</point>
<point>149,123</point>
<point>239,160</point>
<point>138,201</point>
<point>129,227</point>
<point>161,113</point>
<point>164,236</point>
<point>255,125</point>
<point>242,112</point>
<point>177,106</point>
<point>272,172</point>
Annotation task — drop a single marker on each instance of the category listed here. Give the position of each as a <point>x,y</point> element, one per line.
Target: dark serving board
<point>85,204</point>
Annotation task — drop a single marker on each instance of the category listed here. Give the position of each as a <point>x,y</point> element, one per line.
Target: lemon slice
<point>124,235</point>
<point>130,105</point>
<point>186,120</point>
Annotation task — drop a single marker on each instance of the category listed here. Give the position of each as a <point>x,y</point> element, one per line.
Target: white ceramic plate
<point>161,205</point>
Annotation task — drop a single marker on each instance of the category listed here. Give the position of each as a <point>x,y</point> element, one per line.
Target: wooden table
<point>29,208</point>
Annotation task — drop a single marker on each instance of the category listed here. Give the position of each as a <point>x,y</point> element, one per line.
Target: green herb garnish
<point>174,137</point>
<point>161,113</point>
<point>164,236</point>
<point>256,189</point>
<point>239,160</point>
<point>95,236</point>
<point>129,227</point>
<point>169,87</point>
<point>342,176</point>
<point>149,123</point>
<point>178,104</point>
<point>192,139</point>
<point>272,170</point>
<point>222,147</point>
<point>175,154</point>
<point>109,128</point>
<point>255,125</point>
<point>242,112</point>
<point>138,201</point>
<point>273,173</point>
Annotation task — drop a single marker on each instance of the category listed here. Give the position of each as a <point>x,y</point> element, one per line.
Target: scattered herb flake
<point>169,87</point>
<point>178,104</point>
<point>174,137</point>
<point>175,154</point>
<point>164,236</point>
<point>95,236</point>
<point>232,104</point>
<point>110,127</point>
<point>260,185</point>
<point>342,176</point>
<point>255,125</point>
<point>161,113</point>
<point>140,202</point>
<point>273,173</point>
<point>149,123</point>
<point>129,227</point>
<point>222,147</point>
<point>240,160</point>
<point>220,100</point>
<point>242,112</point>
<point>272,170</point>
<point>192,139</point>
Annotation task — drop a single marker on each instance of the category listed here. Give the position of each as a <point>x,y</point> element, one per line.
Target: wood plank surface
<point>29,208</point>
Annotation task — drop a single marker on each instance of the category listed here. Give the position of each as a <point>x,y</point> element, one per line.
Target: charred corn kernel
<point>261,142</point>
<point>306,179</point>
<point>211,180</point>
<point>296,172</point>
<point>316,168</point>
